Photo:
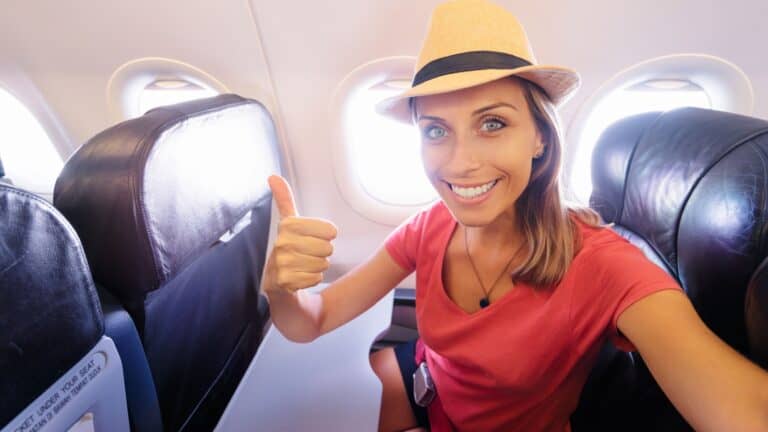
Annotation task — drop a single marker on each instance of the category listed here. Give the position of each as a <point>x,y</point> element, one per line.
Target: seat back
<point>687,187</point>
<point>56,365</point>
<point>173,209</point>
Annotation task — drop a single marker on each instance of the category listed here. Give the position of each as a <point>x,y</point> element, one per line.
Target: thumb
<point>281,193</point>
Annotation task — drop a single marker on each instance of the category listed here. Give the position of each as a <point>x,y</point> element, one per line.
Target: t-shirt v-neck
<point>442,244</point>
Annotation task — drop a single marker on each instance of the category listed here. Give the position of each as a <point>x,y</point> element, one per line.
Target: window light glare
<point>29,157</point>
<point>173,85</point>
<point>385,154</point>
<point>666,85</point>
<point>169,92</point>
<point>624,103</point>
<point>393,84</point>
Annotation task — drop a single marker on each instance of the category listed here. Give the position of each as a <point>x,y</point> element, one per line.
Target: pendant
<point>484,302</point>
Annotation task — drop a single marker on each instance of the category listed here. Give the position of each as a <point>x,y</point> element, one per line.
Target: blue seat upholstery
<point>143,406</point>
<point>688,187</point>
<point>173,209</point>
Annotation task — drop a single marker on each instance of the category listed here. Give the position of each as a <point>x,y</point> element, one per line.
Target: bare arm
<point>297,261</point>
<point>712,385</point>
<point>302,316</point>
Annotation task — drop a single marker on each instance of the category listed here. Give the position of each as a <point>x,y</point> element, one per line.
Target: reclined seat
<point>687,187</point>
<point>56,366</point>
<point>173,209</point>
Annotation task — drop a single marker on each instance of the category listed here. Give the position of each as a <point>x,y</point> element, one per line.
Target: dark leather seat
<point>173,209</point>
<point>689,188</point>
<point>51,328</point>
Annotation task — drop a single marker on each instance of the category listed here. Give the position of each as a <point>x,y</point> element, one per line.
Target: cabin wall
<point>71,49</point>
<point>292,54</point>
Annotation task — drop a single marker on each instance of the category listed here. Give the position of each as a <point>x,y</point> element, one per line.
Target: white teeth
<point>472,192</point>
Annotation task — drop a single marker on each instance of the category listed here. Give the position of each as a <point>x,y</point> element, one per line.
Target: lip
<point>469,185</point>
<point>477,200</point>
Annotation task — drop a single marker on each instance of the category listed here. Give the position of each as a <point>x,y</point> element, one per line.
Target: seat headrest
<point>150,194</point>
<point>50,315</point>
<point>692,184</point>
<point>669,175</point>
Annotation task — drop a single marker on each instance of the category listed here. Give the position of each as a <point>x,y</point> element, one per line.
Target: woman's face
<point>477,147</point>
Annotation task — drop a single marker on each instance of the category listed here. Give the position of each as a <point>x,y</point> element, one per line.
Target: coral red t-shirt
<point>520,363</point>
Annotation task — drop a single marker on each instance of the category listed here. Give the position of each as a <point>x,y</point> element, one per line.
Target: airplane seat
<point>173,209</point>
<point>688,188</point>
<point>58,368</point>
<point>756,311</point>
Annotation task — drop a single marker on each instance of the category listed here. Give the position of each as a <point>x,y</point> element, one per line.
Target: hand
<point>300,253</point>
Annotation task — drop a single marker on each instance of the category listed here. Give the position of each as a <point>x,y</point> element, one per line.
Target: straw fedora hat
<point>473,42</point>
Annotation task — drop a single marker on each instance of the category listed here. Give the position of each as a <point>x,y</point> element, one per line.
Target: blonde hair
<point>544,218</point>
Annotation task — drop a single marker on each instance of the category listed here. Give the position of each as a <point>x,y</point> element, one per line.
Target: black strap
<point>468,61</point>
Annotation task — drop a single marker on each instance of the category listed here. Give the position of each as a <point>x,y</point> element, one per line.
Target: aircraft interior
<point>136,220</point>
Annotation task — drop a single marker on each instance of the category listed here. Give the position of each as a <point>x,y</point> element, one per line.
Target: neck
<point>501,234</point>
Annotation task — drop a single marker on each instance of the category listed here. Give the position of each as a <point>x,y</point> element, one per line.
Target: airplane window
<point>385,154</point>
<point>28,154</point>
<point>655,84</point>
<point>169,92</point>
<point>650,95</point>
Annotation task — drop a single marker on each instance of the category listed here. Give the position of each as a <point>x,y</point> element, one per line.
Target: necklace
<point>484,302</point>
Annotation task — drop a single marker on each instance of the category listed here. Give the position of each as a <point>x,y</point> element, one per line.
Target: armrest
<point>143,406</point>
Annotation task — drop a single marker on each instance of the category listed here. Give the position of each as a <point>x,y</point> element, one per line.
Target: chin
<point>470,217</point>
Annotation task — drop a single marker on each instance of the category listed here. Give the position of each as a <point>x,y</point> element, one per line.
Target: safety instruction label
<point>61,394</point>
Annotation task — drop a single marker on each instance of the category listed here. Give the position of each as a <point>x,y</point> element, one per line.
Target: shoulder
<point>437,212</point>
<point>606,255</point>
<point>425,223</point>
<point>596,238</point>
<point>436,215</point>
<point>406,243</point>
<point>603,251</point>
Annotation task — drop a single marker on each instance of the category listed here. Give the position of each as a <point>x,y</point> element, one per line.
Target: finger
<point>304,245</point>
<point>281,193</point>
<point>307,280</point>
<point>312,227</point>
<point>298,262</point>
<point>294,281</point>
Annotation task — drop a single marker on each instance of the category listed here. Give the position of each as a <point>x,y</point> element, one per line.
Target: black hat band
<point>468,61</point>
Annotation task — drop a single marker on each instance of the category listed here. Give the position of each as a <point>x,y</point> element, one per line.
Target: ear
<point>540,147</point>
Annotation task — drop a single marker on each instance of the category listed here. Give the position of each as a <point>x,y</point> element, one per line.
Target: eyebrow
<point>420,118</point>
<point>474,113</point>
<point>490,107</point>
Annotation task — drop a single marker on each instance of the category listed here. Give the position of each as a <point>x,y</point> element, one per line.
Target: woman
<point>505,353</point>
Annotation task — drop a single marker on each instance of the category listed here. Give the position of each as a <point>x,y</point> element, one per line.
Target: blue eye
<point>435,132</point>
<point>492,124</point>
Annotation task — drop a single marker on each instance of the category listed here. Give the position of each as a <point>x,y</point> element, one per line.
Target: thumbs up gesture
<point>300,253</point>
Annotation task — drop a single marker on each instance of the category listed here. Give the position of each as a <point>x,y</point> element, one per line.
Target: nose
<point>464,155</point>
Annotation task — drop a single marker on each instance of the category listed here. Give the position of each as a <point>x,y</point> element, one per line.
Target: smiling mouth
<point>473,192</point>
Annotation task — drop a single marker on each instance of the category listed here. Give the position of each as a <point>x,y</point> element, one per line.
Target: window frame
<point>726,85</point>
<point>129,80</point>
<point>27,94</point>
<point>370,74</point>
